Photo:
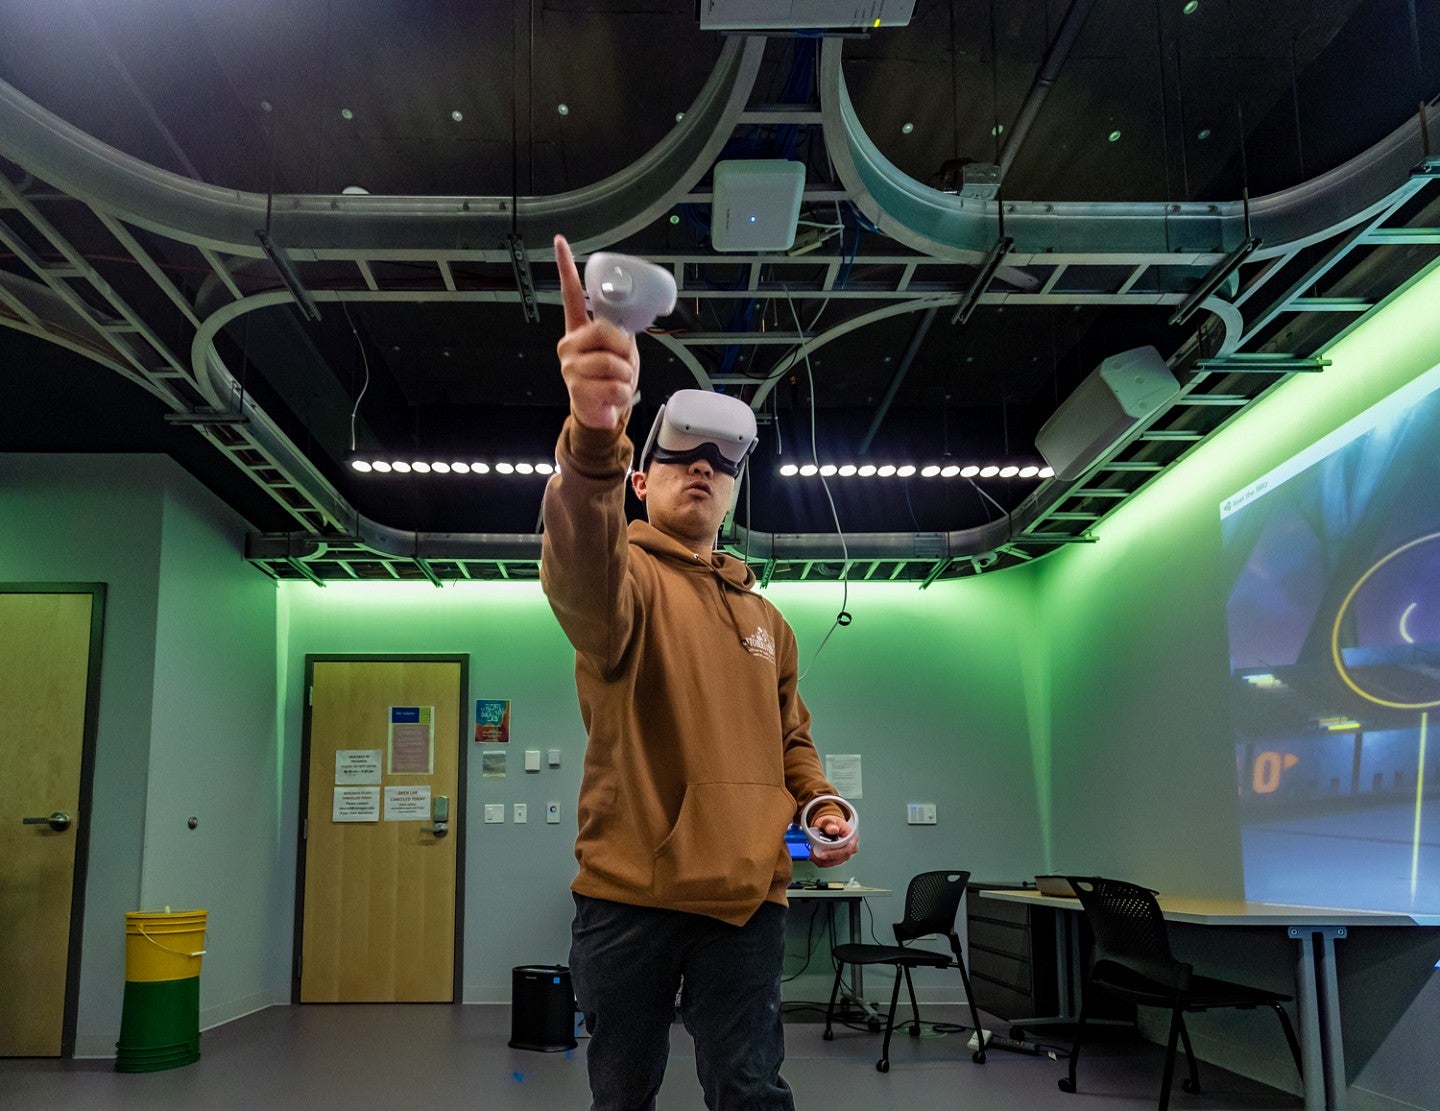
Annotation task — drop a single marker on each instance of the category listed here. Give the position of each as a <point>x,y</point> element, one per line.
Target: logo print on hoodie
<point>760,643</point>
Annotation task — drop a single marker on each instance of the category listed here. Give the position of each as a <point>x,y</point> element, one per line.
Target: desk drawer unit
<point>1011,950</point>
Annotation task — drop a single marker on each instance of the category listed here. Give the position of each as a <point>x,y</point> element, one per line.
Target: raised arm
<point>583,559</point>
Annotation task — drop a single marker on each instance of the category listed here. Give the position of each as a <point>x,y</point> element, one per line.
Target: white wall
<point>1141,735</point>
<point>925,687</point>
<point>187,670</point>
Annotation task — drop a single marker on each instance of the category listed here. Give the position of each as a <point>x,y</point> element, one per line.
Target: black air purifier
<point>542,1008</point>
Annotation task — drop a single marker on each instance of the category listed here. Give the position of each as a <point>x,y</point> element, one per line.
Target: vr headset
<point>698,424</point>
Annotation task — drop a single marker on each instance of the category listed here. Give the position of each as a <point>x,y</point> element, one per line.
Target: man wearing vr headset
<point>699,752</point>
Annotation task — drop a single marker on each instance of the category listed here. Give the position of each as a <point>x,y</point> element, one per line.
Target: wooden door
<point>49,667</point>
<point>379,905</point>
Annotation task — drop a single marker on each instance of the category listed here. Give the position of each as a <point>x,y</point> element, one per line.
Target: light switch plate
<point>521,813</point>
<point>494,812</point>
<point>552,814</point>
<point>532,759</point>
<point>920,814</point>
<point>554,757</point>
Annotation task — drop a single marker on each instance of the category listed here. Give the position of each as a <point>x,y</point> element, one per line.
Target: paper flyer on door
<point>412,740</point>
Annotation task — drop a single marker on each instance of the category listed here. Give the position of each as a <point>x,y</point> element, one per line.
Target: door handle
<point>59,821</point>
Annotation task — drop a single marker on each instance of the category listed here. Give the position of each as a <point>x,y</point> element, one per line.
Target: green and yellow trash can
<point>160,1021</point>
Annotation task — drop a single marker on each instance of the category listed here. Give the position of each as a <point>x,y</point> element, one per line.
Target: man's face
<point>685,500</point>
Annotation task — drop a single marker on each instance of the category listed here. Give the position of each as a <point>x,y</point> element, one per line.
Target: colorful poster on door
<point>412,740</point>
<point>492,721</point>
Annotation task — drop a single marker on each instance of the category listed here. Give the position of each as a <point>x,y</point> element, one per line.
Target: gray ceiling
<point>145,144</point>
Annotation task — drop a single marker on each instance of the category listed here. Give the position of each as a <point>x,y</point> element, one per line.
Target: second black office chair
<point>931,902</point>
<point>1132,959</point>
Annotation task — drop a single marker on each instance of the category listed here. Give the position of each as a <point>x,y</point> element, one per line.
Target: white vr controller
<point>819,840</point>
<point>629,292</point>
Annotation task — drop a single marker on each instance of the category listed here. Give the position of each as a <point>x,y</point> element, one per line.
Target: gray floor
<point>429,1056</point>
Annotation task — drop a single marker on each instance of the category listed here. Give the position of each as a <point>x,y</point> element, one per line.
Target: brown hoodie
<point>699,749</point>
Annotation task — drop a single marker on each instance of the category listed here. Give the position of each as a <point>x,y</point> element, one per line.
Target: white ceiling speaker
<point>1117,395</point>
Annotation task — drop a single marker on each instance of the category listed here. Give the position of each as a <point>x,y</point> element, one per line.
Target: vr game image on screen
<point>1334,634</point>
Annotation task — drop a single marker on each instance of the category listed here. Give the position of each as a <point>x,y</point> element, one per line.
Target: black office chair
<point>1132,959</point>
<point>931,903</point>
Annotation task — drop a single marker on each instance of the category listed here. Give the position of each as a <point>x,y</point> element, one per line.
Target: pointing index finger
<point>570,288</point>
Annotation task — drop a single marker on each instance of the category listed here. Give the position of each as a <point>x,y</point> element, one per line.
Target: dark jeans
<point>626,964</point>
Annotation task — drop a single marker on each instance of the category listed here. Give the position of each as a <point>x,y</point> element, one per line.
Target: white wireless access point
<point>756,205</point>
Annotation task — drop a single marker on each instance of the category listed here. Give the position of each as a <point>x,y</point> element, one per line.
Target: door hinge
<point>305,829</point>
<point>310,695</point>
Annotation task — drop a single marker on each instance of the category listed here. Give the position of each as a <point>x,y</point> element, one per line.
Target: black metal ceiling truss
<point>350,249</point>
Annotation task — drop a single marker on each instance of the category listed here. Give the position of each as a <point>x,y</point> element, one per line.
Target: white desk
<point>1317,988</point>
<point>851,897</point>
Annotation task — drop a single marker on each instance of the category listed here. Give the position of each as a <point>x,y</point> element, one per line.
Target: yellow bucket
<point>163,945</point>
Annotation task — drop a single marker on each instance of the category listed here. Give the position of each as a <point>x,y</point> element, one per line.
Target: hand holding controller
<point>821,840</point>
<point>629,292</point>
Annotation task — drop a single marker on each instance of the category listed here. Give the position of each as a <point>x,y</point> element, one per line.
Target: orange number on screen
<point>1265,779</point>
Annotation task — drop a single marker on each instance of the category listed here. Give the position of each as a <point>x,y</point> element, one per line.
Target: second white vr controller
<point>628,291</point>
<point>821,840</point>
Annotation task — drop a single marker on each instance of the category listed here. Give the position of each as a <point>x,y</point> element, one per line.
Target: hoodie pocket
<point>725,843</point>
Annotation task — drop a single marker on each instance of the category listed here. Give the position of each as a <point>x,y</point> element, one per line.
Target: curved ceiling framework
<point>954,253</point>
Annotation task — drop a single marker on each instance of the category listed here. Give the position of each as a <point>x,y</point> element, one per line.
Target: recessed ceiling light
<point>440,467</point>
<point>790,470</point>
<point>457,115</point>
<point>525,468</point>
<point>809,469</point>
<point>460,468</point>
<point>847,469</point>
<point>1203,134</point>
<point>930,470</point>
<point>355,191</point>
<point>401,466</point>
<point>1029,472</point>
<point>1047,472</point>
<point>674,217</point>
<point>998,129</point>
<point>420,467</point>
<point>950,471</point>
<point>827,470</point>
<point>505,468</point>
<point>266,106</point>
<point>563,109</point>
<point>360,465</point>
<point>886,470</point>
<point>990,471</point>
<point>1114,136</point>
<point>480,468</point>
<point>1190,7</point>
<point>1009,471</point>
<point>679,116</point>
<point>906,128</point>
<point>906,471</point>
<point>866,470</point>
<point>346,114</point>
<point>969,472</point>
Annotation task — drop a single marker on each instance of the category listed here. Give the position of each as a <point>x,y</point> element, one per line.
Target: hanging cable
<point>1164,114</point>
<point>843,617</point>
<point>365,359</point>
